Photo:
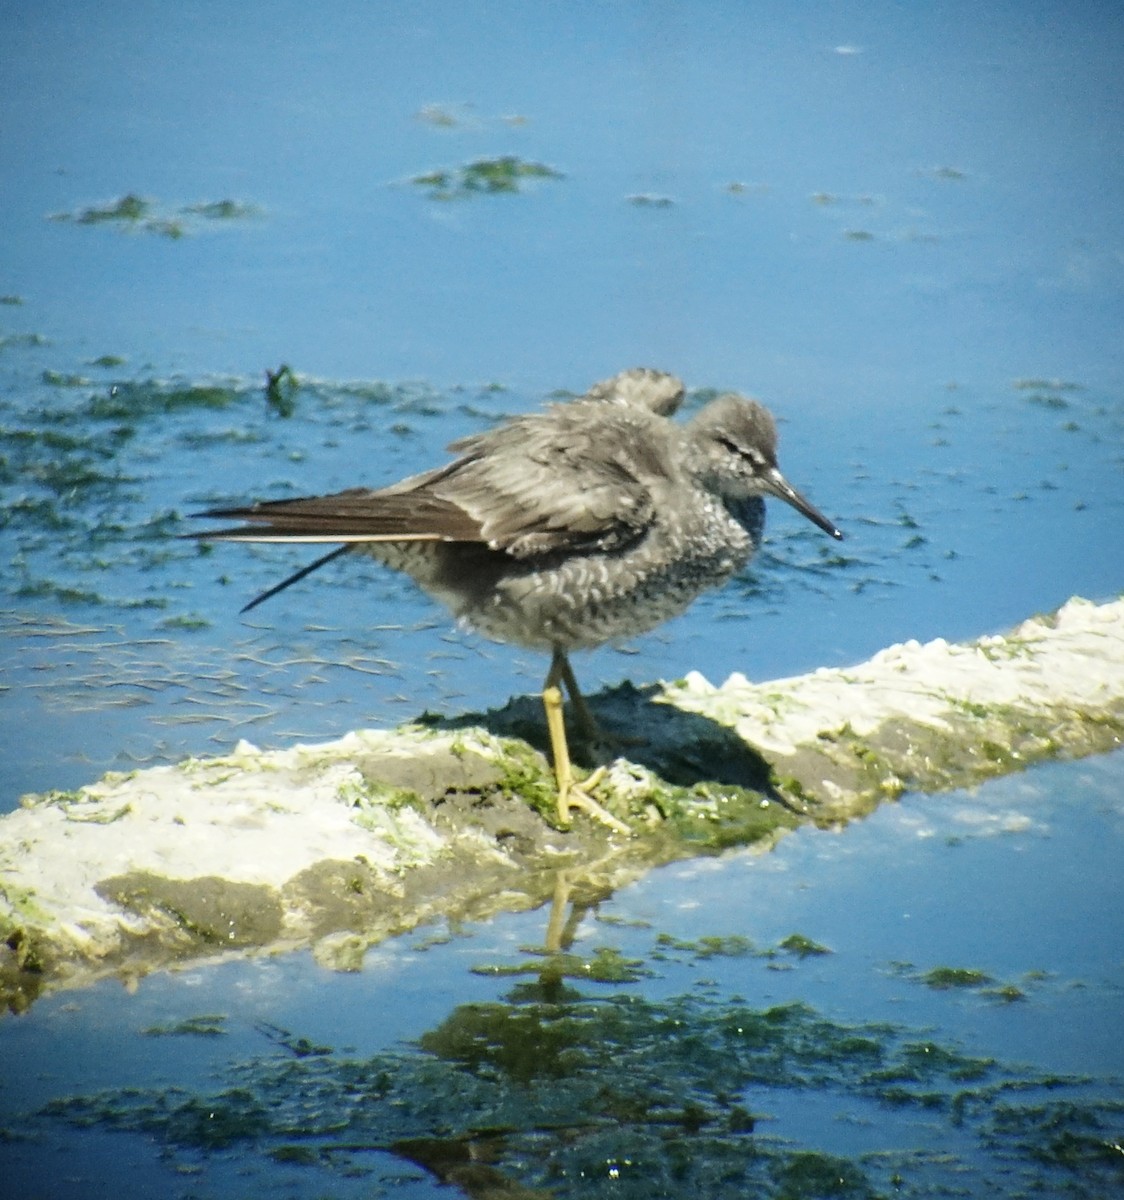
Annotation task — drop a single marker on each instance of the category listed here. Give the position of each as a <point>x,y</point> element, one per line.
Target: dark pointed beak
<point>777,485</point>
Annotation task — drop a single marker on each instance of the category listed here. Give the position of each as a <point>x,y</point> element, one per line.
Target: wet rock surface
<point>340,845</point>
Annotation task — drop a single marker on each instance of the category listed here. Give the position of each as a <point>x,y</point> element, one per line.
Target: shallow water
<point>901,230</point>
<point>1007,1080</point>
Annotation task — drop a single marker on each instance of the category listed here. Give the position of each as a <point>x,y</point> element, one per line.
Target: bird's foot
<point>572,795</point>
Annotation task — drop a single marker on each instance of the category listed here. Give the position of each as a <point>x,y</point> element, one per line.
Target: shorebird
<point>592,521</point>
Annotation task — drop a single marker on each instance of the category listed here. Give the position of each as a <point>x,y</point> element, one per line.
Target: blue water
<point>351,274</point>
<point>900,226</point>
<point>920,884</point>
<point>918,268</point>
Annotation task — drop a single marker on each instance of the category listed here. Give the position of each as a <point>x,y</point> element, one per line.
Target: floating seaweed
<point>506,175</point>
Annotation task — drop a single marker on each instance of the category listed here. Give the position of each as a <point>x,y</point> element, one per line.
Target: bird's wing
<point>354,516</point>
<point>578,475</point>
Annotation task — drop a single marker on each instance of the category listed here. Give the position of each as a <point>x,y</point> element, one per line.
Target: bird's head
<point>732,452</point>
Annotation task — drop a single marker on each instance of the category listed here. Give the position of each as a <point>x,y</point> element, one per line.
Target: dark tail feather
<point>323,560</point>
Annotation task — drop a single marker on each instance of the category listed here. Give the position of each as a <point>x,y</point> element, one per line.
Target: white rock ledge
<point>341,844</point>
<point>1072,660</point>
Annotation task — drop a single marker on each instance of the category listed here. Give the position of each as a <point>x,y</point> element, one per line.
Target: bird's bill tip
<point>783,490</point>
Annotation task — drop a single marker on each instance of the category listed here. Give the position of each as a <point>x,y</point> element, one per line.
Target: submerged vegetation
<point>505,175</point>
<point>558,1090</point>
<point>136,213</point>
<point>646,200</point>
<point>738,946</point>
<point>87,453</point>
<point>956,977</point>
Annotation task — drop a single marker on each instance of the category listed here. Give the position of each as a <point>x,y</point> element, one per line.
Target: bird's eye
<point>748,454</point>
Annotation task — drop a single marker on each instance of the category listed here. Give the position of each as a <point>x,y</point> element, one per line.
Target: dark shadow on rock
<point>680,747</point>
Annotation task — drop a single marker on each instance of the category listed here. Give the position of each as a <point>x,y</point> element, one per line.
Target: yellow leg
<point>584,717</point>
<point>560,668</point>
<point>563,771</point>
<point>556,926</point>
<point>569,793</point>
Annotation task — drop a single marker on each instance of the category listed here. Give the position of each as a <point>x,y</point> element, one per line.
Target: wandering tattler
<point>562,530</point>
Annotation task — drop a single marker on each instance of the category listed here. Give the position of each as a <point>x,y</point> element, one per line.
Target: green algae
<point>67,480</point>
<point>21,903</point>
<point>132,401</point>
<point>1047,400</point>
<point>199,439</point>
<point>738,946</point>
<point>506,175</point>
<point>295,1155</point>
<point>58,798</point>
<point>972,979</point>
<point>802,947</point>
<point>208,1025</point>
<point>62,379</point>
<point>299,1047</point>
<point>439,115</point>
<point>920,1061</point>
<point>32,955</point>
<point>622,1095</point>
<point>943,978</point>
<point>132,212</point>
<point>717,818</point>
<point>976,742</point>
<point>730,946</point>
<point>188,622</point>
<point>223,210</point>
<point>22,341</point>
<point>813,1174</point>
<point>1034,384</point>
<point>605,965</point>
<point>129,209</point>
<point>99,816</point>
<point>1009,993</point>
<point>525,774</point>
<point>374,801</point>
<point>65,476</point>
<point>1082,1140</point>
